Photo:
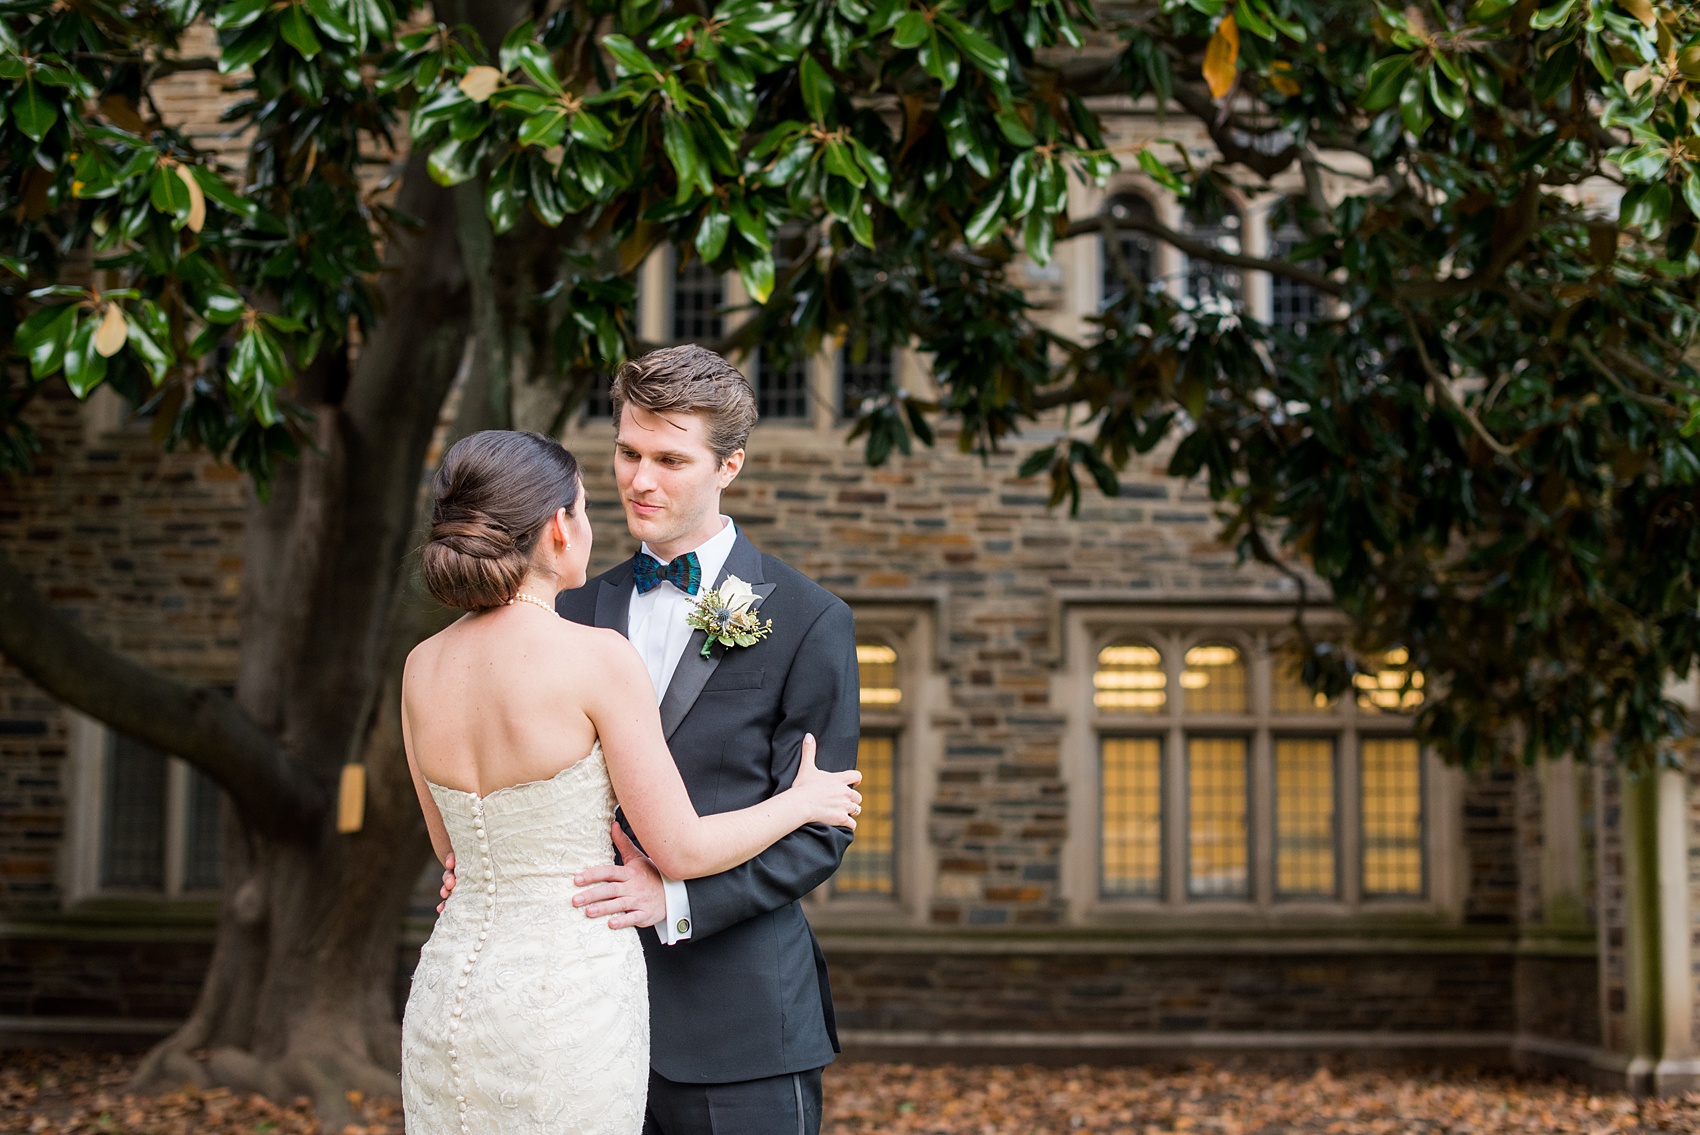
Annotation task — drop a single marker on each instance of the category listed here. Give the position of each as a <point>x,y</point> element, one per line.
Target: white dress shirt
<point>655,624</point>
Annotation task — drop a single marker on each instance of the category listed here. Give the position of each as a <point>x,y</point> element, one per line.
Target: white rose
<point>737,595</point>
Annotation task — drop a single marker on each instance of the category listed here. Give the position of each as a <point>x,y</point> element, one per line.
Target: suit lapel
<point>694,670</point>
<point>614,600</point>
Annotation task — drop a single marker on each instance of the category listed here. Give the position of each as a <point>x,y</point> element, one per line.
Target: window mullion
<point>1350,772</point>
<point>1261,815</point>
<point>176,823</point>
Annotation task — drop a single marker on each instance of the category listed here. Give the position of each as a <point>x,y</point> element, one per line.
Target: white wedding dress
<point>525,1015</point>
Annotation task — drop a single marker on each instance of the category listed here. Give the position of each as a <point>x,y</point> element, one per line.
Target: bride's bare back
<point>496,699</point>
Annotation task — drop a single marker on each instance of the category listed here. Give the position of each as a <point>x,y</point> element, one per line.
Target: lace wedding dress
<point>525,1015</point>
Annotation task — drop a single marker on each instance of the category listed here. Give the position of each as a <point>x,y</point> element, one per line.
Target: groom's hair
<point>693,380</point>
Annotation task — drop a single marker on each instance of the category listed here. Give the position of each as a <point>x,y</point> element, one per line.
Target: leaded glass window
<point>1130,679</point>
<point>1214,680</point>
<point>132,846</point>
<point>1293,306</point>
<point>1392,818</point>
<point>870,864</point>
<point>863,374</point>
<point>1207,279</point>
<point>1218,834</point>
<point>699,294</point>
<point>1137,250</point>
<point>1248,788</point>
<point>782,391</point>
<point>1131,782</point>
<point>1389,685</point>
<point>1305,830</point>
<point>161,824</point>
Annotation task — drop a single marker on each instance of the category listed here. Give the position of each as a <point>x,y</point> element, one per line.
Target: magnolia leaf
<point>1161,173</point>
<point>85,367</point>
<point>150,336</point>
<point>861,222</point>
<point>44,336</point>
<point>711,235</point>
<point>1246,15</point>
<point>817,88</point>
<point>1551,17</point>
<point>33,111</point>
<point>987,222</point>
<point>911,32</point>
<point>1281,78</point>
<point>479,83</point>
<point>297,30</point>
<point>197,199</point>
<point>1641,9</point>
<point>1447,97</point>
<point>1221,57</point>
<point>757,274</point>
<point>1385,79</point>
<point>114,329</point>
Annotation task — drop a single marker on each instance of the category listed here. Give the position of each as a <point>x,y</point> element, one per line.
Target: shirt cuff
<point>676,927</point>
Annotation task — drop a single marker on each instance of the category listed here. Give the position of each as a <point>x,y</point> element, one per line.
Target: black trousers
<point>777,1105</point>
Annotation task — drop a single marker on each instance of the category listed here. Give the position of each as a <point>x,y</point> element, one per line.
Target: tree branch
<point>1199,250</point>
<point>203,726</point>
<point>1528,223</point>
<point>1616,356</point>
<point>1443,390</point>
<point>1232,139</point>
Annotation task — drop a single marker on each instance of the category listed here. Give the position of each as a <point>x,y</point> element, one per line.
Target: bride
<point>522,730</point>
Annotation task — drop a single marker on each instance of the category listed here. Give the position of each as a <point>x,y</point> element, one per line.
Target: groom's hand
<point>631,893</point>
<point>448,882</point>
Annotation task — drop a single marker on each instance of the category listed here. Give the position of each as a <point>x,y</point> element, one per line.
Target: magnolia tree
<point>1483,444</point>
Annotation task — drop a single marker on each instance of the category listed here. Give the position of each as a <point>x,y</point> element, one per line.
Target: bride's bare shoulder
<point>596,643</point>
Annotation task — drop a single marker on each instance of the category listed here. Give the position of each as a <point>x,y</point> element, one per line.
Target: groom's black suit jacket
<point>746,996</point>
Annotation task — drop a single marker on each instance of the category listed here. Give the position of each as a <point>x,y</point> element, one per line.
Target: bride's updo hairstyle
<point>489,503</point>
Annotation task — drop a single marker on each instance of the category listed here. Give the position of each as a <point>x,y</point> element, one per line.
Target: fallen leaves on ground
<point>77,1093</point>
<point>1241,1099</point>
<point>63,1093</point>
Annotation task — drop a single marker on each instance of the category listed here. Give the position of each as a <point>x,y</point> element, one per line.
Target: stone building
<point>1103,820</point>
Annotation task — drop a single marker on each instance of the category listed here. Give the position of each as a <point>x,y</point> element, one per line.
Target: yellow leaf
<point>480,83</point>
<point>113,330</point>
<point>1641,9</point>
<point>351,808</point>
<point>1222,56</point>
<point>197,199</point>
<point>1280,77</point>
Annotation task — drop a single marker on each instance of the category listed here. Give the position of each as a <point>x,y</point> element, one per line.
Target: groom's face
<point>670,480</point>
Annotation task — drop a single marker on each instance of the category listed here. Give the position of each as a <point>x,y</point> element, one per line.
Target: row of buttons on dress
<point>477,947</point>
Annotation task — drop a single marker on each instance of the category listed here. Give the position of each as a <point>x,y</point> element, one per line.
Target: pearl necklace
<point>522,597</point>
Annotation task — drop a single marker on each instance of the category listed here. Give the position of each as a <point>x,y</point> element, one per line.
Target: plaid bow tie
<point>685,573</point>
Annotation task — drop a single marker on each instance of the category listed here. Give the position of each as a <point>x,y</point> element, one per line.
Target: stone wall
<point>143,551</point>
<point>1199,992</point>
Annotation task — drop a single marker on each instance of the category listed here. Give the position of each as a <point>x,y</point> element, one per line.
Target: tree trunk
<point>299,998</point>
<point>300,994</point>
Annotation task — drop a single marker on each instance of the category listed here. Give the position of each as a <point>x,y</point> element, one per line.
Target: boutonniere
<point>725,616</point>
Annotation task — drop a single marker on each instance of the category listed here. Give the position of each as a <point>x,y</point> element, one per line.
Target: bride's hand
<point>827,797</point>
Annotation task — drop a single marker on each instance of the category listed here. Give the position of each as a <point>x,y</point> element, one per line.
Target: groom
<point>741,1020</point>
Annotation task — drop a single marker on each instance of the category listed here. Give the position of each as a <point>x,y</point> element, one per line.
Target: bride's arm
<point>646,781</point>
<point>427,804</point>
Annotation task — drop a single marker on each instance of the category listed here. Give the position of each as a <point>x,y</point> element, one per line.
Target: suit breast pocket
<point>724,680</point>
